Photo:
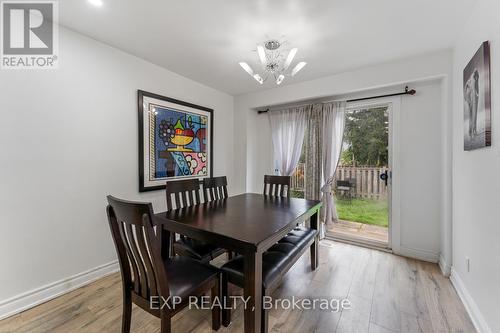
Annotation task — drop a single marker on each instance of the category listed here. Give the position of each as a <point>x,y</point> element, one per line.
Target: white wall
<point>68,138</point>
<point>476,184</point>
<point>423,136</point>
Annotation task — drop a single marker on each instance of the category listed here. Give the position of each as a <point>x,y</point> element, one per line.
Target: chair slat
<point>150,273</point>
<point>129,255</point>
<point>169,201</point>
<point>177,197</point>
<point>191,199</point>
<point>142,277</point>
<point>197,197</point>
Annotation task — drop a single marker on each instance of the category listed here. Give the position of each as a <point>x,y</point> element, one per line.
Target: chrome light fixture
<point>274,62</point>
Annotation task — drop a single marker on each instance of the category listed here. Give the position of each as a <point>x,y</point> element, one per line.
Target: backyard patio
<point>361,219</point>
<point>362,210</point>
<point>374,212</point>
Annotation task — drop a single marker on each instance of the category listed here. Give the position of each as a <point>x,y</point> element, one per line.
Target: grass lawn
<point>364,211</point>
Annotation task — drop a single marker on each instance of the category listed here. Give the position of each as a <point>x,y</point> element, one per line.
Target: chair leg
<point>215,295</point>
<point>127,311</point>
<point>264,321</point>
<point>166,323</point>
<point>226,311</point>
<point>229,255</point>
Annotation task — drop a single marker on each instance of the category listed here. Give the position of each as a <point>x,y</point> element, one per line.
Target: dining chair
<point>215,188</point>
<point>148,277</point>
<point>187,193</point>
<point>275,186</point>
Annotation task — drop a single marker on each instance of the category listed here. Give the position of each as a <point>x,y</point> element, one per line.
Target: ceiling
<point>205,39</point>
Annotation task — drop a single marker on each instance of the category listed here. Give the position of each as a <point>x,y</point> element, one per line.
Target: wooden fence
<point>366,179</point>
<point>297,183</point>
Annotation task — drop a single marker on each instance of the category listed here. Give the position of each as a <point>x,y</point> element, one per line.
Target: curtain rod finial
<point>410,92</point>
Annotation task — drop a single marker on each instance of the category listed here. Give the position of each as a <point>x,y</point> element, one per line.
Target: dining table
<point>247,224</point>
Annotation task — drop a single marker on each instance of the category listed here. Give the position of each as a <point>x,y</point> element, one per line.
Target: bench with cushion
<point>276,261</point>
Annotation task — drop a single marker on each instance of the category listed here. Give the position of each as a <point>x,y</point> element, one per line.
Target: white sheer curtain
<point>287,127</point>
<point>333,132</point>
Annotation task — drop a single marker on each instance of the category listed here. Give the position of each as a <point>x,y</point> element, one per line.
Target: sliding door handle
<point>385,177</point>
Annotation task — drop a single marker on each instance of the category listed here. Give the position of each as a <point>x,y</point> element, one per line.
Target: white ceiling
<point>205,39</point>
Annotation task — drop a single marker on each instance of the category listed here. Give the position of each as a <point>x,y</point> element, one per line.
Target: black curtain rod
<point>406,92</point>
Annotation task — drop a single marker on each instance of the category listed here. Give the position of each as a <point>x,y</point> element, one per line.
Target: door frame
<point>394,205</point>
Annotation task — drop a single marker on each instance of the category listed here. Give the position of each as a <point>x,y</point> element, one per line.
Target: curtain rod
<point>406,92</point>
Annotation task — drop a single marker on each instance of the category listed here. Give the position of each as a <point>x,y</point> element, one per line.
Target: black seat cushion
<point>272,264</point>
<point>185,275</point>
<point>198,250</point>
<point>299,236</point>
<point>275,259</point>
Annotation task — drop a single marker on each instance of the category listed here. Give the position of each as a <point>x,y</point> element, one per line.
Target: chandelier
<point>275,63</point>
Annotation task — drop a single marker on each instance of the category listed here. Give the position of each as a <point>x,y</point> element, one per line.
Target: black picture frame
<point>141,97</point>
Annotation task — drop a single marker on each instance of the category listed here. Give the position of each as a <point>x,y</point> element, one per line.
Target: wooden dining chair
<point>275,186</point>
<point>187,193</point>
<point>215,188</point>
<point>147,276</point>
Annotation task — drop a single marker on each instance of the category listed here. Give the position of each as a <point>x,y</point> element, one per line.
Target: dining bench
<point>276,262</point>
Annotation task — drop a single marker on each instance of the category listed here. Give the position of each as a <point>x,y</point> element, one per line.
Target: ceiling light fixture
<point>247,68</point>
<point>97,3</point>
<point>280,79</point>
<point>297,68</point>
<point>290,57</point>
<point>274,62</point>
<point>262,54</point>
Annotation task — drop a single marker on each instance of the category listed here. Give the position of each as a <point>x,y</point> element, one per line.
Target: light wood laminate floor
<point>388,293</point>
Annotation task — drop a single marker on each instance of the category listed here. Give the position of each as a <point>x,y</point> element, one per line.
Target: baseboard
<point>374,245</point>
<point>471,306</point>
<point>43,294</point>
<point>418,254</point>
<point>444,266</point>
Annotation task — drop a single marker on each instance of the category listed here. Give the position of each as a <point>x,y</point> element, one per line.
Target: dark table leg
<point>314,246</point>
<point>253,291</point>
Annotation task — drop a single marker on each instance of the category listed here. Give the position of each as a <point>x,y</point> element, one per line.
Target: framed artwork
<point>477,100</point>
<point>175,141</point>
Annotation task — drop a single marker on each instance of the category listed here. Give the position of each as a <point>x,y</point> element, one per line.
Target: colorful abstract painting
<point>176,140</point>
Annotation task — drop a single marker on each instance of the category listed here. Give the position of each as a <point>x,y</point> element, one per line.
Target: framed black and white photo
<point>477,100</point>
<point>175,141</point>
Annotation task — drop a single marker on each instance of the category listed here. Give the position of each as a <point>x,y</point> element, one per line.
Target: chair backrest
<point>343,183</point>
<point>182,190</point>
<point>139,248</point>
<point>350,182</point>
<point>215,188</point>
<point>275,186</point>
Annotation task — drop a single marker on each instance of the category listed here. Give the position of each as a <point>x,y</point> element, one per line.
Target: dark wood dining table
<point>247,224</point>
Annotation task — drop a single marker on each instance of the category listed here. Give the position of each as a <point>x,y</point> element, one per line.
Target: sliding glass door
<point>362,179</point>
